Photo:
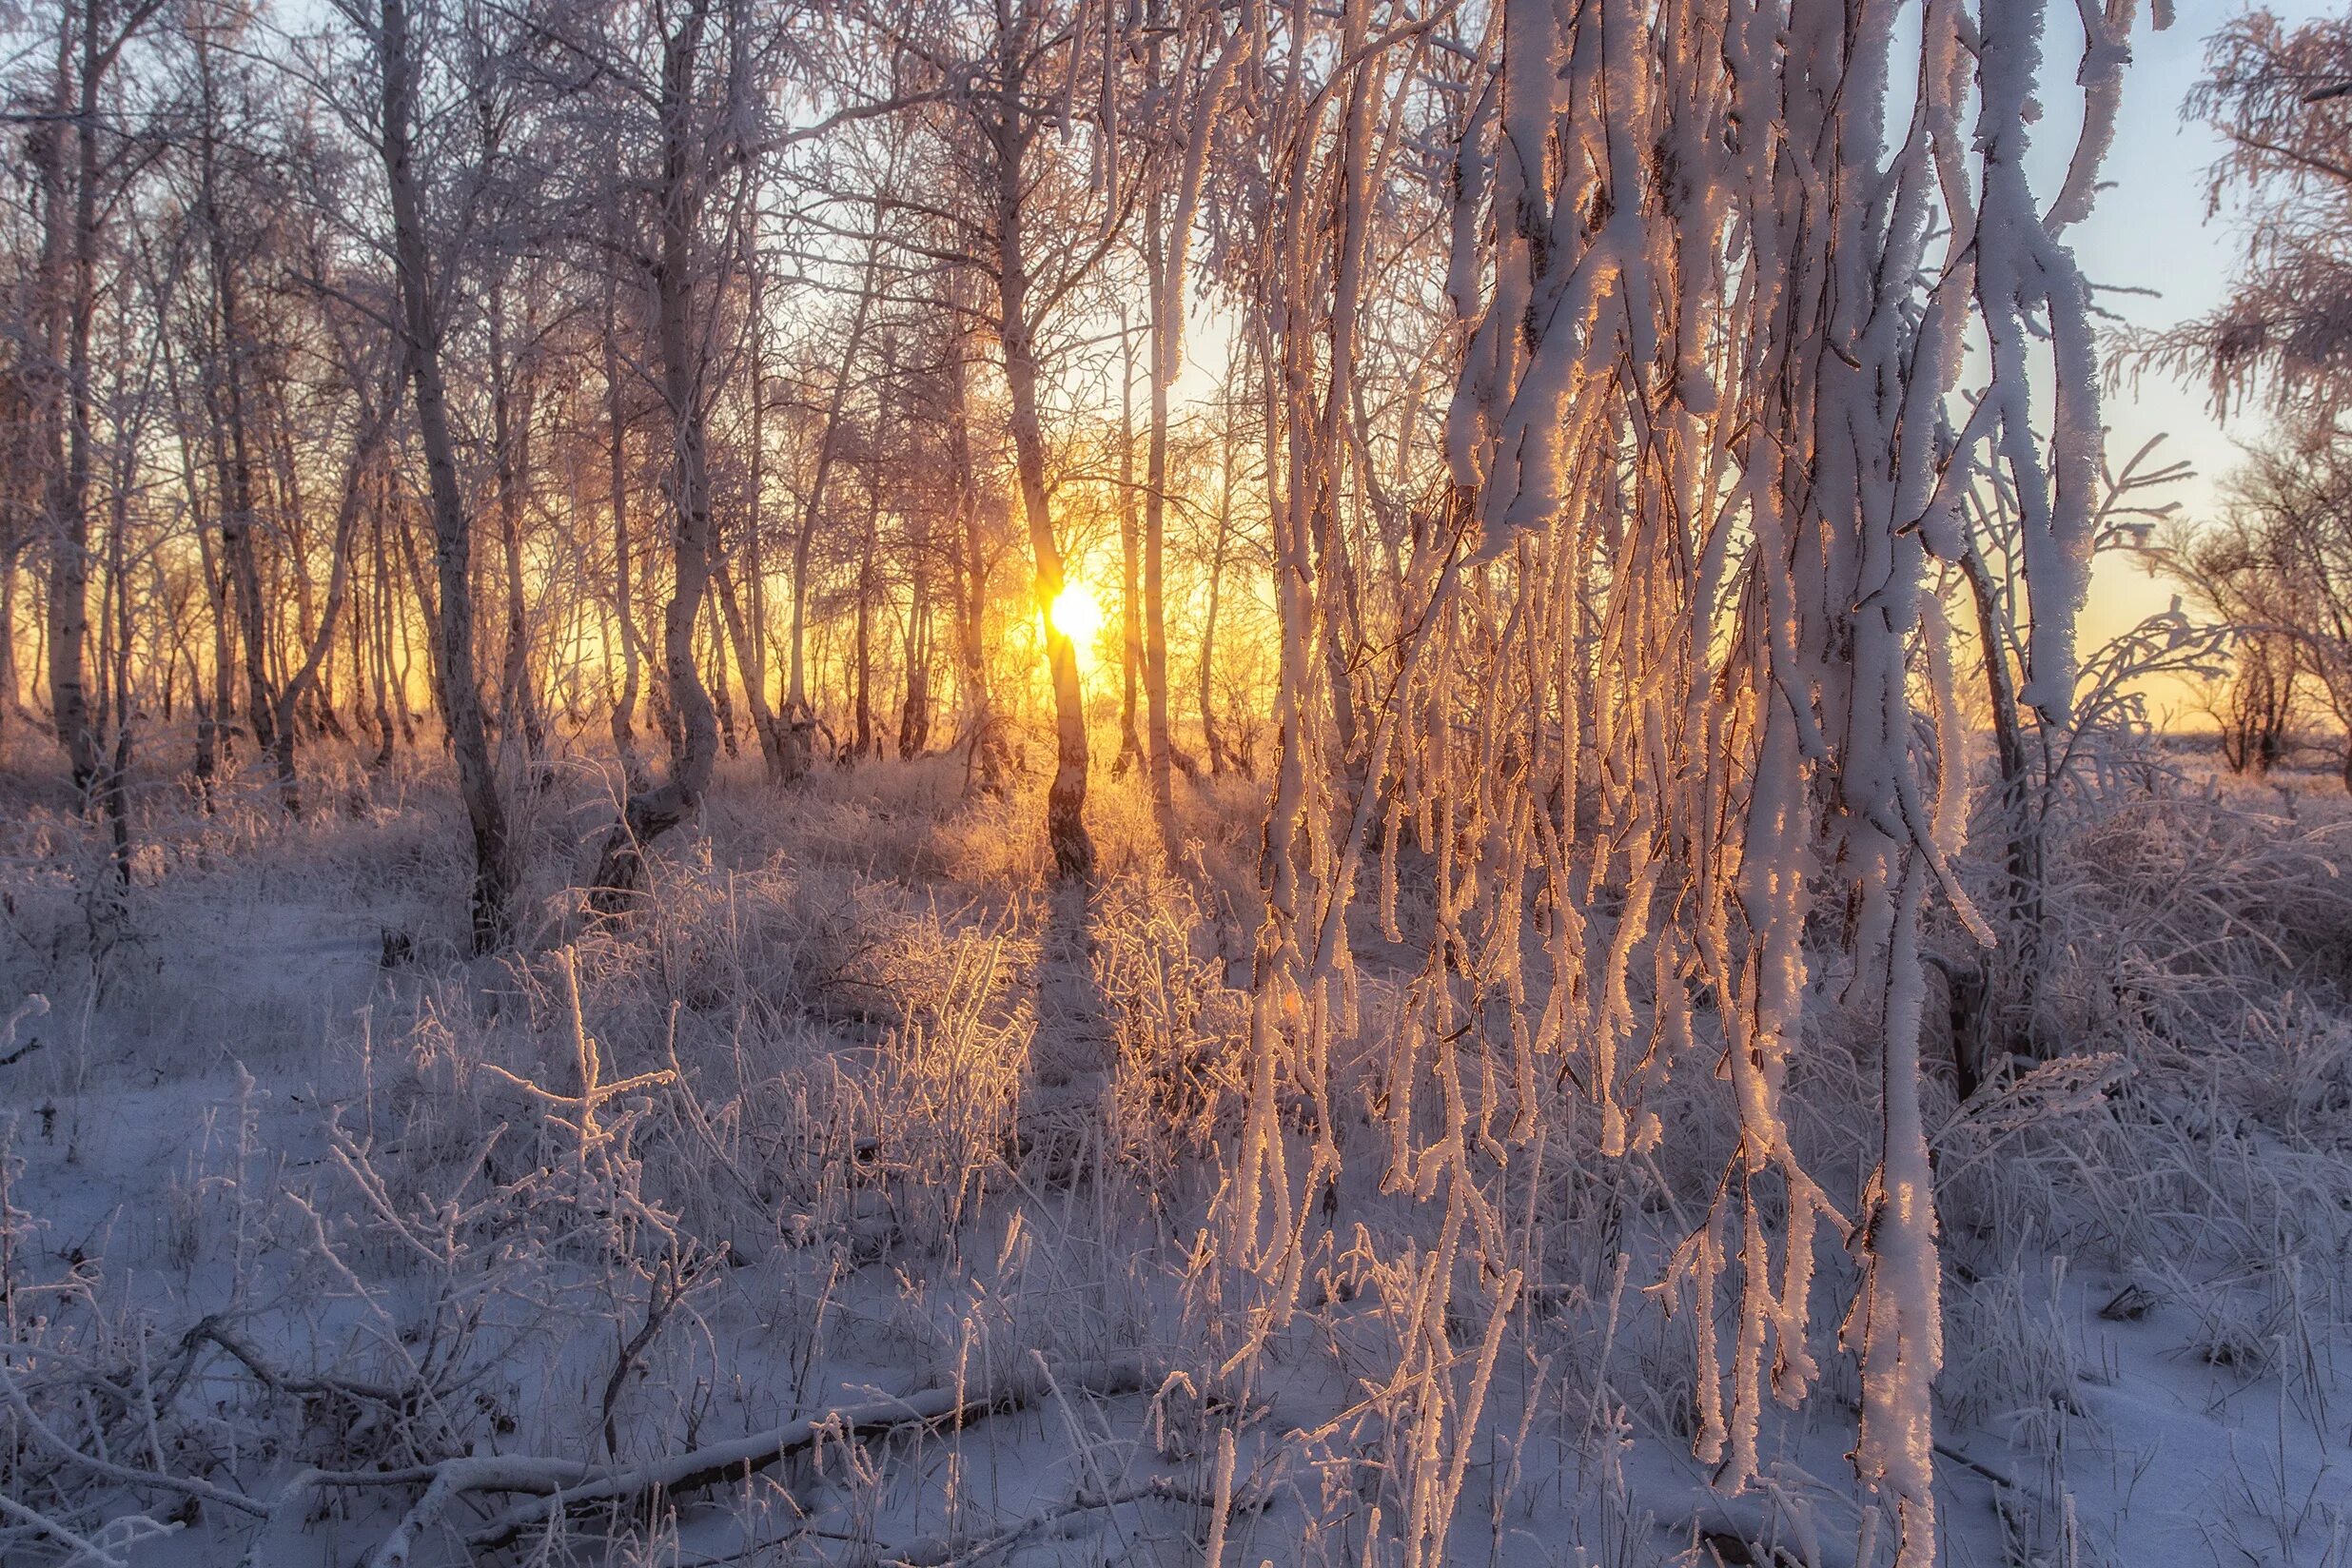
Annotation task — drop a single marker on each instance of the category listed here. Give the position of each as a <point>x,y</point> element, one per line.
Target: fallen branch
<point>123,1474</point>
<point>965,1551</point>
<point>486,1473</point>
<point>747,1455</point>
<point>441,1483</point>
<point>559,1485</point>
<point>213,1330</point>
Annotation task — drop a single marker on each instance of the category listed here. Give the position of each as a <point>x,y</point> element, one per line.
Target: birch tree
<point>681,78</point>
<point>396,56</point>
<point>1002,99</point>
<point>77,157</point>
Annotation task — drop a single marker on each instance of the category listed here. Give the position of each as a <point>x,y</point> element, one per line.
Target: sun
<point>1077,615</point>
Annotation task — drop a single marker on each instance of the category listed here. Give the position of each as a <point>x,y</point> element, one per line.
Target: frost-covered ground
<point>848,1206</point>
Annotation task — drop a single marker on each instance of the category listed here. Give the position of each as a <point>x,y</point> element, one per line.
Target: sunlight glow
<point>1077,615</point>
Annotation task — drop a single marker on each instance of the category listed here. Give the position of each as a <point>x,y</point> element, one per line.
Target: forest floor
<point>862,1115</point>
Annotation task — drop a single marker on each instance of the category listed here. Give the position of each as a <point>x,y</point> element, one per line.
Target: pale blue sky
<point>2150,231</point>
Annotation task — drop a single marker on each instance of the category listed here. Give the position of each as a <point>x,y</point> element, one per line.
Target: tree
<point>397,57</point>
<point>799,716</point>
<point>1208,61</point>
<point>2276,567</point>
<point>76,160</point>
<point>1003,98</point>
<point>2281,100</point>
<point>696,104</point>
<point>989,767</point>
<point>2035,756</point>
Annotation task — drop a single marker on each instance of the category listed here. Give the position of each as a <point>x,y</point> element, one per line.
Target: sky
<point>2150,231</point>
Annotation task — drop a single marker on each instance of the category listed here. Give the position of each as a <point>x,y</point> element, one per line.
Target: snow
<point>2143,1288</point>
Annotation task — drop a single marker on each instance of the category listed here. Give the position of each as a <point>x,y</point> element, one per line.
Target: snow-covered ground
<point>851,1205</point>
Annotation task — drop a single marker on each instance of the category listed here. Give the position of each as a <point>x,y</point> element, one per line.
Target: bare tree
<point>397,55</point>
<point>76,157</point>
<point>2276,566</point>
<point>2281,100</point>
<point>692,69</point>
<point>1004,99</point>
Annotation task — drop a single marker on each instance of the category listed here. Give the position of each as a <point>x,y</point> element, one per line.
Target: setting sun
<point>1077,615</point>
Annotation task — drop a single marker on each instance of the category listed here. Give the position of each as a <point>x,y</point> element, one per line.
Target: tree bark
<point>68,287</point>
<point>650,813</point>
<point>988,771</point>
<point>800,718</point>
<point>1066,797</point>
<point>1168,252</point>
<point>746,615</point>
<point>914,714</point>
<point>862,645</point>
<point>742,630</point>
<point>233,428</point>
<point>1130,610</point>
<point>421,325</point>
<point>1210,736</point>
<point>380,604</point>
<point>375,422</point>
<point>624,704</point>
<point>511,398</point>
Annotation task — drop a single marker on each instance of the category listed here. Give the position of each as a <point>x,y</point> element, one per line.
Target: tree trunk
<point>380,628</point>
<point>649,814</point>
<point>800,718</point>
<point>1166,252</point>
<point>1066,797</point>
<point>69,268</point>
<point>494,870</point>
<point>988,768</point>
<point>1130,611</point>
<point>714,678</point>
<point>374,424</point>
<point>210,715</point>
<point>233,440</point>
<point>1210,736</point>
<point>863,646</point>
<point>510,432</point>
<point>2020,822</point>
<point>1167,359</point>
<point>914,714</point>
<point>746,617</point>
<point>743,632</point>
